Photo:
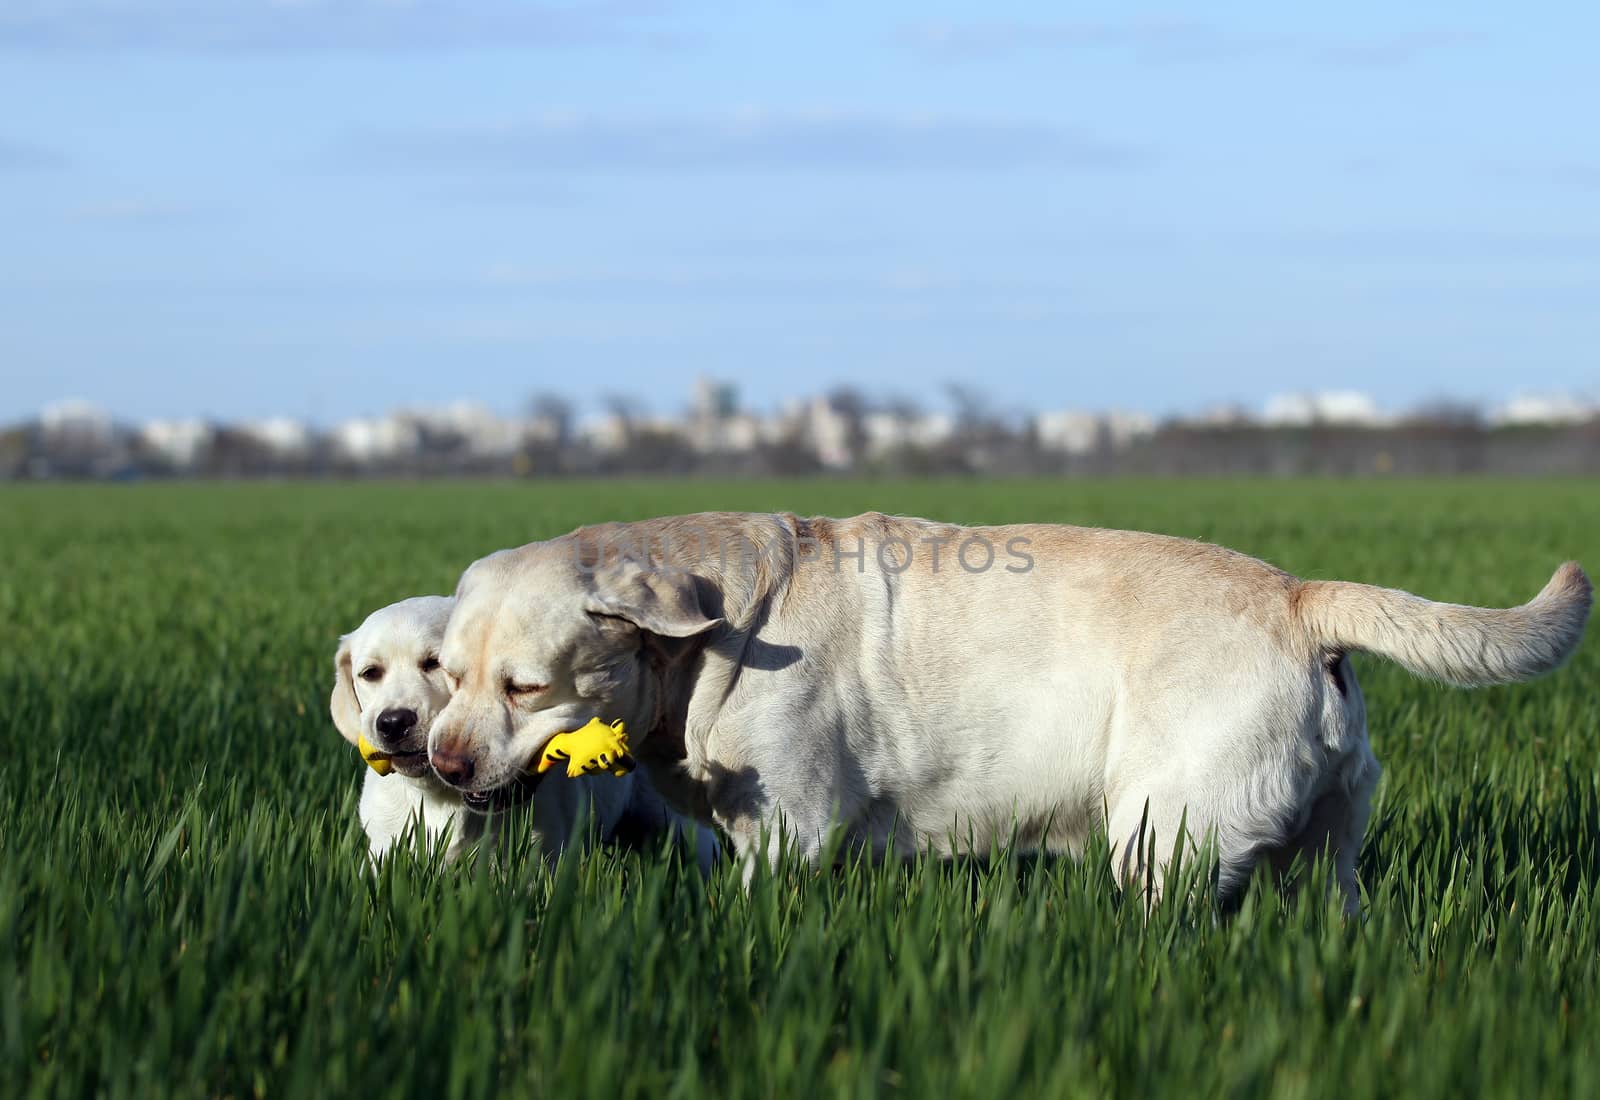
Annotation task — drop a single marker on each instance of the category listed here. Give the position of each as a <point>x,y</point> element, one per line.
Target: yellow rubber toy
<point>596,747</point>
<point>375,758</point>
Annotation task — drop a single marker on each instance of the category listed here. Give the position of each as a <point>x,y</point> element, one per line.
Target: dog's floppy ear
<point>343,704</point>
<point>662,602</point>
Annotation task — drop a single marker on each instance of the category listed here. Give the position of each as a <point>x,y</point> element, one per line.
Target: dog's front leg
<point>768,815</point>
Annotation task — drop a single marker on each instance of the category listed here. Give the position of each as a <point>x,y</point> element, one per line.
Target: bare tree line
<point>841,432</point>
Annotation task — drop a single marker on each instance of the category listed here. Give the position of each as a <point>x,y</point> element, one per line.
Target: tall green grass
<point>184,910</point>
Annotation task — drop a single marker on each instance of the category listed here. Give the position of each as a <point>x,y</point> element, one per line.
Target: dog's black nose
<point>396,722</point>
<point>454,766</point>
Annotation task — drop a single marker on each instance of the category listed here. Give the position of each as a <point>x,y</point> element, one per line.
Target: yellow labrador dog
<point>943,688</point>
<point>388,686</point>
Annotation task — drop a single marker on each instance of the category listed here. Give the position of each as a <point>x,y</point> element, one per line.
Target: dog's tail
<point>1444,641</point>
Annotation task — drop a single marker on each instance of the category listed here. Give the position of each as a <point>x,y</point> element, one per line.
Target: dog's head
<point>388,685</point>
<point>539,644</point>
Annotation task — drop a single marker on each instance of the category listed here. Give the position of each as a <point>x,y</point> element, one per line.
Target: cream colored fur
<point>1086,678</point>
<point>397,641</point>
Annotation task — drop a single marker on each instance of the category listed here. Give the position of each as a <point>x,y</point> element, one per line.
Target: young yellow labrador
<point>389,688</point>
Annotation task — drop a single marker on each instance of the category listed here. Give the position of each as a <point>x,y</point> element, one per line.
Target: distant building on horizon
<point>1346,408</point>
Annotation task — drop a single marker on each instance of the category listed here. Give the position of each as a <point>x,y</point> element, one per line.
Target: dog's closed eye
<point>515,690</point>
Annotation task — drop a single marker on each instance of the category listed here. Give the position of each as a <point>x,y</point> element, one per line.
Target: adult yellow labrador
<point>943,687</point>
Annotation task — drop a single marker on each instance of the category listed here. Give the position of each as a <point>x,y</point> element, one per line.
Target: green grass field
<point>184,909</point>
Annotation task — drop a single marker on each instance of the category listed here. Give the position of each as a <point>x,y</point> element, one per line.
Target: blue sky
<point>321,208</point>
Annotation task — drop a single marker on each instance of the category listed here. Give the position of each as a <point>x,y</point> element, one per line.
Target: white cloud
<point>16,156</point>
<point>129,211</point>
<point>742,141</point>
<point>1173,41</point>
<point>271,25</point>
